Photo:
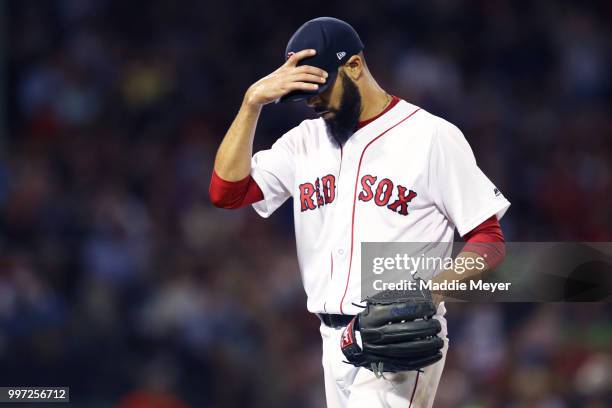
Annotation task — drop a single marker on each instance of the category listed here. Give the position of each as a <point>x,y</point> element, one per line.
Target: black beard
<point>345,119</point>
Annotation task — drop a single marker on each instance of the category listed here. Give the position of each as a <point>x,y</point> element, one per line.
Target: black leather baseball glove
<point>397,333</point>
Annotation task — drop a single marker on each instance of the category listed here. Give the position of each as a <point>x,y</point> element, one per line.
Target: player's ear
<point>354,67</point>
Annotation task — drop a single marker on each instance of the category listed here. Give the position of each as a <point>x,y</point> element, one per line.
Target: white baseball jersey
<point>407,176</point>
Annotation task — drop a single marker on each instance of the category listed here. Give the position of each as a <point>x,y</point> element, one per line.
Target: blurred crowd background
<point>118,277</point>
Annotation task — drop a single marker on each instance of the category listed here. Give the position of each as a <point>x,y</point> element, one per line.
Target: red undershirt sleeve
<point>487,240</point>
<point>234,194</point>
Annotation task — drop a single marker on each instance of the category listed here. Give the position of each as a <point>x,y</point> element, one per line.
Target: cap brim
<point>297,96</point>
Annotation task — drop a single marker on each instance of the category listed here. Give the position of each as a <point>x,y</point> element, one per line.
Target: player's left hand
<point>398,333</point>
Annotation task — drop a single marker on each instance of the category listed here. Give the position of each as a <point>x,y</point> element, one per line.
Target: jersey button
<point>341,252</point>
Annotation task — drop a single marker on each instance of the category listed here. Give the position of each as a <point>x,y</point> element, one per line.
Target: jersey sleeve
<point>274,172</point>
<point>462,192</point>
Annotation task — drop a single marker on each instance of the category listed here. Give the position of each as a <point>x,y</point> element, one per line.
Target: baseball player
<point>371,168</point>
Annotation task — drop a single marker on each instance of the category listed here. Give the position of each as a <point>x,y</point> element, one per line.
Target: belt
<point>335,320</point>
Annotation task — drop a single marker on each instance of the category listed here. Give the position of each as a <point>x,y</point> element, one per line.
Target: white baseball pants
<point>347,386</point>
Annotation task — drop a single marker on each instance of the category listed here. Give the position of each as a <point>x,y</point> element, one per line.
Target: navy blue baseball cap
<point>335,42</point>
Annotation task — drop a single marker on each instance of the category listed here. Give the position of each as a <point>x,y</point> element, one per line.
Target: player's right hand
<point>288,78</point>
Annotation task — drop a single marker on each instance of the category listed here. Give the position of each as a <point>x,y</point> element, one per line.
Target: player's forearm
<point>484,249</point>
<point>477,266</point>
<point>233,160</point>
<point>472,264</point>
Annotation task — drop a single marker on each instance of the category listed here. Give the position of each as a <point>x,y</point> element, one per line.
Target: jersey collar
<point>394,101</point>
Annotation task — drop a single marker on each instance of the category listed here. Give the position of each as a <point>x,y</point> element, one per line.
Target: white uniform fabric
<point>407,176</point>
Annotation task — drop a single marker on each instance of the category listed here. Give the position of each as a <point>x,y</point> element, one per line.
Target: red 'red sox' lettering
<point>318,194</point>
<point>367,182</point>
<point>402,200</point>
<point>322,192</point>
<point>383,192</point>
<point>306,192</point>
<point>329,188</point>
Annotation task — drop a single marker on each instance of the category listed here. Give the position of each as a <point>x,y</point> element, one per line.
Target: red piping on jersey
<point>331,272</point>
<point>416,381</point>
<point>355,202</point>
